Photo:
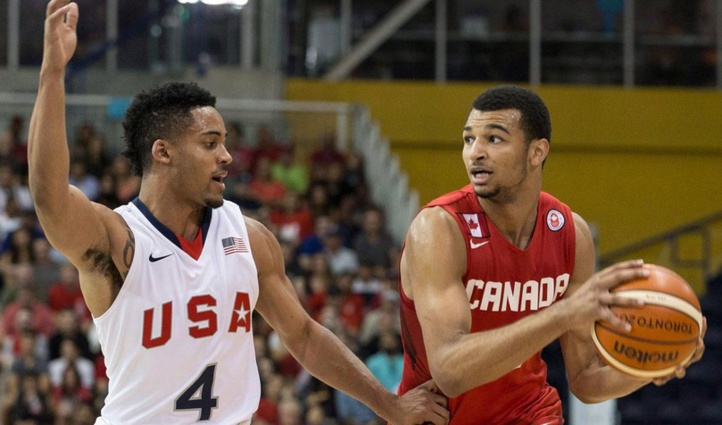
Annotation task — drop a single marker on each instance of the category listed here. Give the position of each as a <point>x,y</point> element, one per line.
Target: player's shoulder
<point>464,194</point>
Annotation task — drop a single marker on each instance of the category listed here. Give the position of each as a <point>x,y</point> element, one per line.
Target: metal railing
<point>706,242</point>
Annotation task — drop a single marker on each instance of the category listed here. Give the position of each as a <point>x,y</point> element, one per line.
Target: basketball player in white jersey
<point>173,277</point>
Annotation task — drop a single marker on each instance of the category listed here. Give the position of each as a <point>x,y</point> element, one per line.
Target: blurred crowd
<point>338,254</point>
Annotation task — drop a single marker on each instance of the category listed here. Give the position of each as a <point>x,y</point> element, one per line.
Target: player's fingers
<point>429,385</point>
<point>54,5</point>
<point>72,15</point>
<point>638,263</point>
<point>59,14</point>
<point>612,319</point>
<point>623,275</point>
<point>439,417</point>
<point>620,300</point>
<point>438,399</point>
<point>704,328</point>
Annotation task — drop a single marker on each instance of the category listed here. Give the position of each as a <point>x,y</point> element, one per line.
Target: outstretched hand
<point>61,21</point>
<point>422,405</point>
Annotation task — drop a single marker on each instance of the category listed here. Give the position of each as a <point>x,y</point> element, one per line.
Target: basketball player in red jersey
<point>495,271</point>
<point>172,278</point>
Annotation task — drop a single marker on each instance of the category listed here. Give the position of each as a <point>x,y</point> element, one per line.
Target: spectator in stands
<point>313,244</point>
<point>66,294</point>
<point>354,175</point>
<point>13,146</point>
<point>86,182</point>
<point>108,193</point>
<point>26,312</point>
<point>95,156</point>
<point>350,306</point>
<point>290,171</point>
<point>367,284</point>
<point>267,411</point>
<point>349,410</point>
<point>46,269</point>
<point>290,412</point>
<point>69,395</point>
<point>318,200</point>
<point>268,191</point>
<point>266,147</point>
<point>70,357</point>
<point>387,365</point>
<point>293,218</point>
<point>67,326</point>
<point>326,151</point>
<point>316,415</point>
<point>240,168</point>
<point>19,249</point>
<point>341,260</point>
<point>373,245</point>
<point>383,318</point>
<point>12,187</point>
<point>30,404</point>
<point>127,185</point>
<point>30,360</point>
<point>84,133</point>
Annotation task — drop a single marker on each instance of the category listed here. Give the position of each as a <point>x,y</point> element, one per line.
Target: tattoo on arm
<point>128,250</point>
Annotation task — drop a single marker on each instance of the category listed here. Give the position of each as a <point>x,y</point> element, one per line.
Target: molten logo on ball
<point>642,357</point>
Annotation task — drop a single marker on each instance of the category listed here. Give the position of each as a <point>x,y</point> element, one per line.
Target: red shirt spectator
<point>66,294</point>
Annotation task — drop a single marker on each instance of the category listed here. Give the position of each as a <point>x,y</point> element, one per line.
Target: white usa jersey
<point>177,340</point>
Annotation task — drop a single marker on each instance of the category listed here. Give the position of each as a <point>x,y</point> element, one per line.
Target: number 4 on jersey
<point>199,395</point>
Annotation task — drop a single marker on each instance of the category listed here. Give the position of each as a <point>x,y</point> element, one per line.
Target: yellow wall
<point>632,162</point>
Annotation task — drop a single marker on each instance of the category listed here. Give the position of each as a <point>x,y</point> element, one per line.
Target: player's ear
<point>538,151</point>
<point>160,151</point>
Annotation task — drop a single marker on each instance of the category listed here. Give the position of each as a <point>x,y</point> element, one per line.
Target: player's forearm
<point>599,383</point>
<point>478,358</point>
<point>324,356</point>
<point>48,156</point>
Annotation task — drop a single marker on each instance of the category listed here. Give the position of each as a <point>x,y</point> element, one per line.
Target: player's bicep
<point>434,262</point>
<point>277,302</point>
<point>78,227</point>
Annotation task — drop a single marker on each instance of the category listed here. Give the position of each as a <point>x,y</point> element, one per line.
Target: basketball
<point>664,331</point>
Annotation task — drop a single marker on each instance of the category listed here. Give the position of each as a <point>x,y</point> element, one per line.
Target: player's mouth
<point>479,175</point>
<point>218,178</point>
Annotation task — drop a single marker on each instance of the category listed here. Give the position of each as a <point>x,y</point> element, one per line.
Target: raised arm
<point>433,264</point>
<point>322,353</point>
<point>73,225</point>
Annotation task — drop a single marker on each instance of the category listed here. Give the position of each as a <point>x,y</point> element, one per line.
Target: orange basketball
<point>664,331</point>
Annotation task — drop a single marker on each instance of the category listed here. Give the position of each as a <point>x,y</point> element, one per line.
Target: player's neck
<point>177,214</point>
<point>515,219</point>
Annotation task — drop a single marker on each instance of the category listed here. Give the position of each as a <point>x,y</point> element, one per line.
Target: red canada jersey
<point>504,284</point>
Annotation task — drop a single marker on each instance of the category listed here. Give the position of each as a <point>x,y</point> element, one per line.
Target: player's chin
<point>214,201</point>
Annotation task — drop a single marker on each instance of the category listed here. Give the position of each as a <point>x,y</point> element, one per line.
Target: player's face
<point>204,158</point>
<point>495,153</point>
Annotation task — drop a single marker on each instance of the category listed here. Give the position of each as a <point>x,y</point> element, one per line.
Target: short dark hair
<point>162,112</point>
<point>535,121</point>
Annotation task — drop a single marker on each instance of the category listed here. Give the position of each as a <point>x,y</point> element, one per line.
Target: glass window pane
<point>32,18</point>
<point>582,41</point>
<point>675,42</point>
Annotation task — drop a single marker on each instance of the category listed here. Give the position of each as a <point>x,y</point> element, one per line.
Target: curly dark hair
<point>535,121</point>
<point>162,112</point>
